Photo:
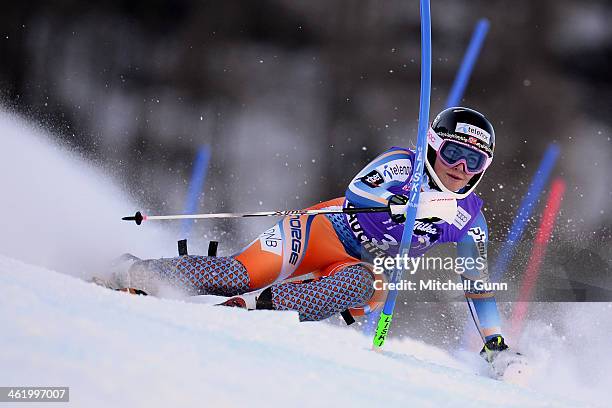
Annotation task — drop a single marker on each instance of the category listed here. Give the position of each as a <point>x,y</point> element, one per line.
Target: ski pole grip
<point>137,218</point>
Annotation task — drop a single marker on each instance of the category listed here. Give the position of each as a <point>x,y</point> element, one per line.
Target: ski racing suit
<point>326,253</point>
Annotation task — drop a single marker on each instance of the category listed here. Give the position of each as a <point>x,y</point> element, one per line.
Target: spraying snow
<point>58,210</point>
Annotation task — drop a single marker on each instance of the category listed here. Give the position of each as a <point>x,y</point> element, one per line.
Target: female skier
<point>335,251</point>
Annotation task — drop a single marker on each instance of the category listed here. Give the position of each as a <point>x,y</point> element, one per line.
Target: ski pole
<point>393,209</point>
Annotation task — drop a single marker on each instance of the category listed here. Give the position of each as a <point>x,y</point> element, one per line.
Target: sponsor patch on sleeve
<point>397,170</point>
<point>373,179</point>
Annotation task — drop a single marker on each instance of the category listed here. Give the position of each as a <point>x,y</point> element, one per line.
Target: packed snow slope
<point>61,224</point>
<point>115,349</point>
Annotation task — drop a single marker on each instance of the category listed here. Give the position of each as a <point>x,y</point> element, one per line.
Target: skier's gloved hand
<point>493,347</point>
<point>499,355</point>
<point>397,208</point>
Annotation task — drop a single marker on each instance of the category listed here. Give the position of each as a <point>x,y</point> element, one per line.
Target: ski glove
<point>397,208</point>
<point>500,357</point>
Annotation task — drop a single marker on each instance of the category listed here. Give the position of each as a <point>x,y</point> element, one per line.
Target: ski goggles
<point>452,153</point>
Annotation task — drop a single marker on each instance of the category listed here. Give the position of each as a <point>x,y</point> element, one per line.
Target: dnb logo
<point>373,179</point>
<point>425,234</point>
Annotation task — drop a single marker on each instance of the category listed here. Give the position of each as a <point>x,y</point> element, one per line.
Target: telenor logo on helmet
<point>472,130</point>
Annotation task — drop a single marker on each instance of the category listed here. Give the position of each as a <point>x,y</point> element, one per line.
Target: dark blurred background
<point>294,98</point>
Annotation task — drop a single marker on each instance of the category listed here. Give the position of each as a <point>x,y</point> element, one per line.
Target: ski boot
<point>251,301</point>
<point>503,361</point>
<point>119,268</point>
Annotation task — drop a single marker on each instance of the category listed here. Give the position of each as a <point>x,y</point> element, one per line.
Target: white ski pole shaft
<point>139,217</point>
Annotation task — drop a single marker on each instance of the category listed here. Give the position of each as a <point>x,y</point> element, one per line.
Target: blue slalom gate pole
<point>461,80</point>
<point>533,193</point>
<point>386,315</point>
<point>467,64</point>
<point>196,184</point>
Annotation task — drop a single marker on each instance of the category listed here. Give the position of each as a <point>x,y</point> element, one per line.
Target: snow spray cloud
<point>59,211</point>
<point>568,346</point>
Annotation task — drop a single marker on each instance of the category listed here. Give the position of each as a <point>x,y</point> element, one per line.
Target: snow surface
<point>114,349</point>
<point>61,214</point>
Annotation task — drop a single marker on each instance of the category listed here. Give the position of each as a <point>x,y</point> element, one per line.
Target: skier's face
<point>454,178</point>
